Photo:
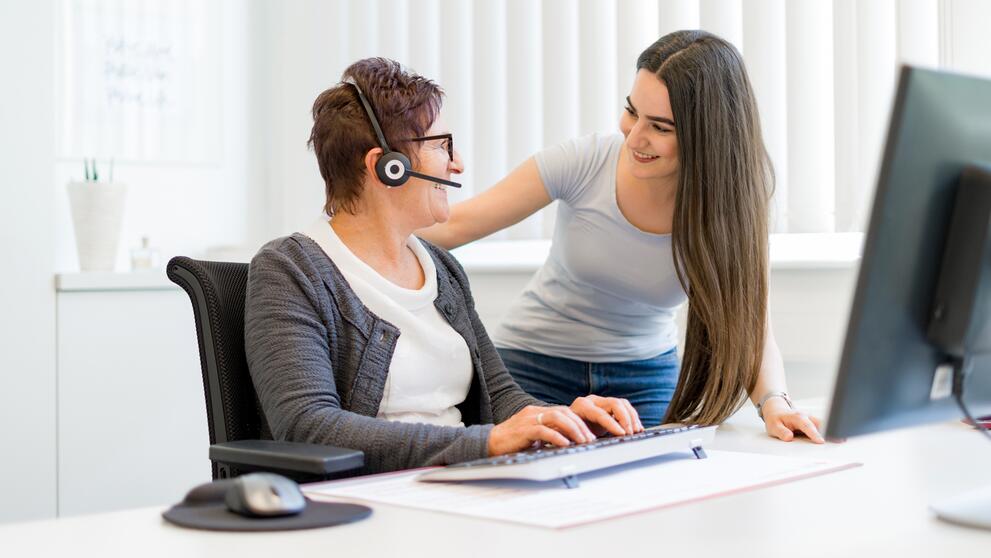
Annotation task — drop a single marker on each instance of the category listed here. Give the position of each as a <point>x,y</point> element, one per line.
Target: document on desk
<point>659,482</point>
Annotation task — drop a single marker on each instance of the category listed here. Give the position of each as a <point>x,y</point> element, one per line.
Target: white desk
<point>879,509</point>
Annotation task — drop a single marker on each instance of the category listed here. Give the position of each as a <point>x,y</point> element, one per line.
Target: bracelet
<point>781,394</point>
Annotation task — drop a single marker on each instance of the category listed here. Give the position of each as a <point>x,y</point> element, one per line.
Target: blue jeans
<point>647,384</point>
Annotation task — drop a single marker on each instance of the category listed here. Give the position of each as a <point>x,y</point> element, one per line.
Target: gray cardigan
<point>319,360</point>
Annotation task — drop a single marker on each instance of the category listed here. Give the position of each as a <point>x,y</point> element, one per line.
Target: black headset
<point>393,168</point>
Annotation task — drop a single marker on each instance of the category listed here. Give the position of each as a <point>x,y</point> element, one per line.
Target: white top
<point>608,291</point>
<point>431,367</point>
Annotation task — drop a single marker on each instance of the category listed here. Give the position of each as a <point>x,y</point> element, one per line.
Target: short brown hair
<point>405,105</point>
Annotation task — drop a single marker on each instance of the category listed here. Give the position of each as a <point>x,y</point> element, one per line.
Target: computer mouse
<point>264,495</point>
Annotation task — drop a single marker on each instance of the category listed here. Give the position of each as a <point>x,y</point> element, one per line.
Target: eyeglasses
<point>449,143</point>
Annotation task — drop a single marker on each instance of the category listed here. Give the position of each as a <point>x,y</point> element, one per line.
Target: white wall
<point>27,293</point>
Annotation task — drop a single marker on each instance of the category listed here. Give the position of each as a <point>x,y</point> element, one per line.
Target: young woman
<point>673,209</point>
<point>357,334</point>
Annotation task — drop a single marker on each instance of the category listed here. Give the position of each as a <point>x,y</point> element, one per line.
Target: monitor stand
<point>970,510</point>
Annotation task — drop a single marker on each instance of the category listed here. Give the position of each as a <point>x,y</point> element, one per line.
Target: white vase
<point>97,214</point>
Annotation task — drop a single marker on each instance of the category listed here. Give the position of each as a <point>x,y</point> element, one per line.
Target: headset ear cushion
<point>393,169</point>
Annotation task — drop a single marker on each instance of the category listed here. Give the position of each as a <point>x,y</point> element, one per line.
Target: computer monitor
<point>919,316</point>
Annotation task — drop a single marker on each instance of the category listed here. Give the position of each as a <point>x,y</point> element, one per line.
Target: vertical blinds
<point>521,75</point>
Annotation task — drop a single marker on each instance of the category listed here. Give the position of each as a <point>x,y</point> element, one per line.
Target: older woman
<point>360,335</point>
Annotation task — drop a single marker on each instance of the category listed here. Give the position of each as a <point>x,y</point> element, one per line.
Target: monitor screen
<point>940,124</point>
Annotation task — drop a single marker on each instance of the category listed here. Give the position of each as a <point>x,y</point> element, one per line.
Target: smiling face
<point>424,201</point>
<point>651,147</point>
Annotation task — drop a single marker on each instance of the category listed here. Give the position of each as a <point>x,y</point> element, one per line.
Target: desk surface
<point>880,508</point>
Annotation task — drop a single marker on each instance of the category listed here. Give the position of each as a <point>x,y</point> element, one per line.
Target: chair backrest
<point>217,290</point>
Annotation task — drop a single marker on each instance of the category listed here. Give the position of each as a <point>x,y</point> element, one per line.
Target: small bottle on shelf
<point>144,257</point>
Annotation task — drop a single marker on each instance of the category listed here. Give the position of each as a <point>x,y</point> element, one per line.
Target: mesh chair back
<point>217,290</point>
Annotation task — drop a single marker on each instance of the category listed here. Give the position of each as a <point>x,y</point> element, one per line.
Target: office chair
<point>236,424</point>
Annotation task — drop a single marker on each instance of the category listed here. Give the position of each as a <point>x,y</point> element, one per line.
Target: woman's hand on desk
<point>563,426</point>
<point>782,422</point>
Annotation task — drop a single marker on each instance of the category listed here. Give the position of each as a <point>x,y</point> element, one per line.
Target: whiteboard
<point>140,81</point>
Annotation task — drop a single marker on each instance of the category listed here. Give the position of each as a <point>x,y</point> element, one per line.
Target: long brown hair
<point>720,228</point>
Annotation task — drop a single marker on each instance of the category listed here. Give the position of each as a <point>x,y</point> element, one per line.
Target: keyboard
<point>565,463</point>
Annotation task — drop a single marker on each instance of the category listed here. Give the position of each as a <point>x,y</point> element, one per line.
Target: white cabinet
<point>132,425</point>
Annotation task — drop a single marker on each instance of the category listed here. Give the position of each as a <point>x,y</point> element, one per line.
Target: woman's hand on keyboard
<point>608,414</point>
<point>556,425</point>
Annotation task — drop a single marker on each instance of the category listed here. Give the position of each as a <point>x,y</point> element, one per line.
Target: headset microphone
<point>433,178</point>
<point>393,168</point>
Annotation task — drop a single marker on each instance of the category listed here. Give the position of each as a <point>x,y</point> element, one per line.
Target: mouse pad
<point>216,517</point>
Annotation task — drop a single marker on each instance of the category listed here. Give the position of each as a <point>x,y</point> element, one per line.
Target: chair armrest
<point>312,459</point>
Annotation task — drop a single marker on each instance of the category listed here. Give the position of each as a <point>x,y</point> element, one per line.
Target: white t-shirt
<point>608,291</point>
<point>431,367</point>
